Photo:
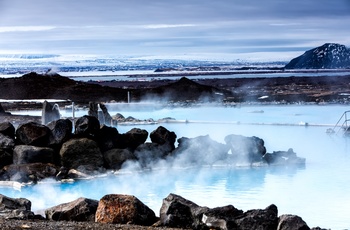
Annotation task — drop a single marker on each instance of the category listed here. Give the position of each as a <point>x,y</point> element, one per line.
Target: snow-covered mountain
<point>327,56</point>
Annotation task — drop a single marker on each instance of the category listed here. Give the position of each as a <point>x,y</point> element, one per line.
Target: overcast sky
<point>237,28</point>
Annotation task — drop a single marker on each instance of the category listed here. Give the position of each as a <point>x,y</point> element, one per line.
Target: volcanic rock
<point>264,219</point>
<point>179,212</point>
<point>199,150</point>
<point>245,149</point>
<point>81,209</point>
<point>283,158</point>
<point>163,136</point>
<point>7,129</point>
<point>15,208</point>
<point>123,209</point>
<point>132,138</point>
<point>6,158</point>
<point>6,142</point>
<point>148,153</point>
<point>61,131</point>
<point>28,172</point>
<point>115,158</point>
<point>107,138</point>
<point>32,133</point>
<point>327,56</point>
<point>288,222</point>
<point>50,112</point>
<point>220,217</point>
<point>81,153</point>
<point>25,154</point>
<point>87,126</point>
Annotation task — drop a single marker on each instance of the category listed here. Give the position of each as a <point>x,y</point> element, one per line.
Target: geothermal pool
<point>319,192</point>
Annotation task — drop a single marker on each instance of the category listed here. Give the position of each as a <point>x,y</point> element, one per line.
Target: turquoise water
<point>319,192</point>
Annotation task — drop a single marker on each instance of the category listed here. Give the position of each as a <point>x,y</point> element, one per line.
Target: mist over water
<point>318,192</point>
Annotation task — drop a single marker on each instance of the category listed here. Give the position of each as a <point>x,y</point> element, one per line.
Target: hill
<point>327,56</point>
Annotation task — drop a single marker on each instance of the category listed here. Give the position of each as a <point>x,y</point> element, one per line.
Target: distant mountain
<point>327,56</point>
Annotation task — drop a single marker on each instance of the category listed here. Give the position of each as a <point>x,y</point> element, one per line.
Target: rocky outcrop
<point>81,209</point>
<point>327,56</point>
<point>124,209</point>
<point>94,148</point>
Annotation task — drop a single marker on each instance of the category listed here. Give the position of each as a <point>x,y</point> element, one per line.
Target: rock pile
<point>33,151</point>
<point>175,212</point>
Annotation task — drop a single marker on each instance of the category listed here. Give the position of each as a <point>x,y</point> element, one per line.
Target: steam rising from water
<point>323,183</point>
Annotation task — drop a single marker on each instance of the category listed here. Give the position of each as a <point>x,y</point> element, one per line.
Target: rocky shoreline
<point>31,152</point>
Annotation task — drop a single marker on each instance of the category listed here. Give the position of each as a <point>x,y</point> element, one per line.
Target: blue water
<point>319,192</point>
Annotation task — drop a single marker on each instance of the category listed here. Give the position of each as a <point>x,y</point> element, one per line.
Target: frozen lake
<point>319,192</point>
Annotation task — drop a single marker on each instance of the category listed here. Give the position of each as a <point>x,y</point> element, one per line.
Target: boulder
<point>50,112</point>
<point>199,150</point>
<point>28,172</point>
<point>87,126</point>
<point>7,129</point>
<point>15,208</point>
<point>106,116</point>
<point>107,138</point>
<point>124,209</point>
<point>114,158</point>
<point>6,158</point>
<point>220,217</point>
<point>25,154</point>
<point>245,150</point>
<point>33,133</point>
<point>6,142</point>
<point>264,219</point>
<point>61,131</point>
<point>163,136</point>
<point>81,153</point>
<point>81,209</point>
<point>178,212</point>
<point>132,139</point>
<point>291,222</point>
<point>283,158</point>
<point>148,153</point>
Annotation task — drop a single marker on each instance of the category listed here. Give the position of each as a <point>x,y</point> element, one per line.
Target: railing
<point>342,124</point>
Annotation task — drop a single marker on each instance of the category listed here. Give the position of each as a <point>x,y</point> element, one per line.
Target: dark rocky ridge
<point>327,56</point>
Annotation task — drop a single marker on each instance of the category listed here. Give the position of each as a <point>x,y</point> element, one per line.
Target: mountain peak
<point>327,56</point>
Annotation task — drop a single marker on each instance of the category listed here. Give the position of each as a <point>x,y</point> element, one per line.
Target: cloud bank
<point>239,28</point>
